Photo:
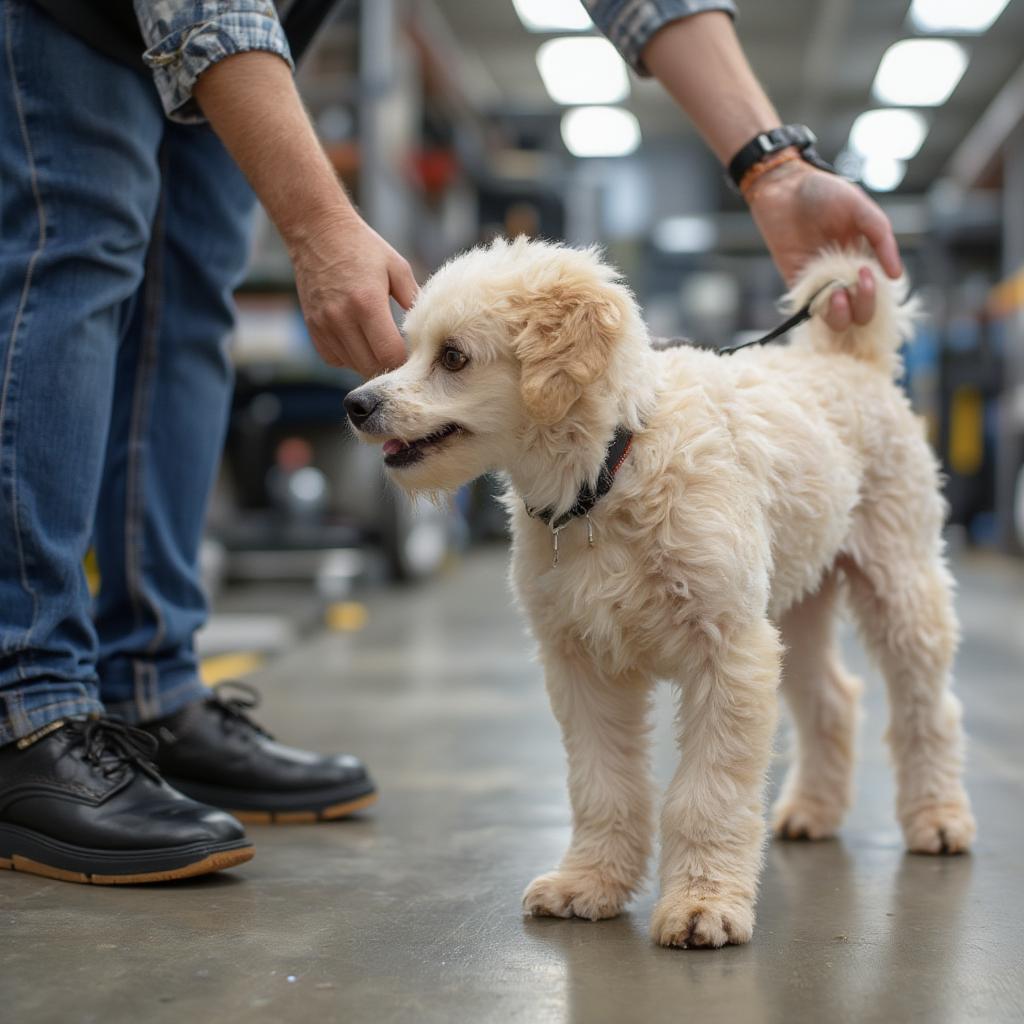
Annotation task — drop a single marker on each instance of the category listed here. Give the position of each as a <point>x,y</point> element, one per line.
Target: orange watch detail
<point>783,156</point>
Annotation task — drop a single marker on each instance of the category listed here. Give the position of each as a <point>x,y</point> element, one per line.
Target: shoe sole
<point>330,813</point>
<point>206,866</point>
<point>51,858</point>
<point>306,807</point>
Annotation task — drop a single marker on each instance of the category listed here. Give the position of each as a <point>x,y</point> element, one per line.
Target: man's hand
<point>797,208</point>
<point>800,209</point>
<point>344,272</point>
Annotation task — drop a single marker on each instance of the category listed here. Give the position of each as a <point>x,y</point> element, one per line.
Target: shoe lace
<point>235,700</point>
<point>111,745</point>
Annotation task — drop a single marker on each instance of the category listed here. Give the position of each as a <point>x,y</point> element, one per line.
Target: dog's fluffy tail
<point>877,342</point>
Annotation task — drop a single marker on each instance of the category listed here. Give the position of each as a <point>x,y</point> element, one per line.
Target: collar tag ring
<point>555,531</point>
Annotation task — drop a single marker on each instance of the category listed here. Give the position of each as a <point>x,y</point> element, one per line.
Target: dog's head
<point>503,339</point>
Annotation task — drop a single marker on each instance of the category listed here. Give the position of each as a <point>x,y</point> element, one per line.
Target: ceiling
<point>816,58</point>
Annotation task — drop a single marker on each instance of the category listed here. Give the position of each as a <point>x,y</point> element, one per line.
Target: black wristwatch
<point>762,146</point>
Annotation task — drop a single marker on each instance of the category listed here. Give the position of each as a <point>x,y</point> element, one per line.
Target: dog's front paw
<point>799,817</point>
<point>577,893</point>
<point>686,921</point>
<point>940,828</point>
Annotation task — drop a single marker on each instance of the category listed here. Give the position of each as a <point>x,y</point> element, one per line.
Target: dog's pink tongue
<point>392,446</point>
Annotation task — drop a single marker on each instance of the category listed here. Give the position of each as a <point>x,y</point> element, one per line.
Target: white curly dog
<point>757,487</point>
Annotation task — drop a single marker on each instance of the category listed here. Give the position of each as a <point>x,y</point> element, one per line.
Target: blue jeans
<point>122,237</point>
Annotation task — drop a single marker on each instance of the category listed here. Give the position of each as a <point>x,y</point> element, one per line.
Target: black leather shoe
<point>80,800</point>
<point>215,753</point>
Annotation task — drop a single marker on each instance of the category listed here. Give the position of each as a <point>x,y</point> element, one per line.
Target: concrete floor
<point>412,912</point>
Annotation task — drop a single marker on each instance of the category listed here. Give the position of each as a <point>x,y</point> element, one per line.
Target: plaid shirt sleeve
<point>186,37</point>
<point>629,24</point>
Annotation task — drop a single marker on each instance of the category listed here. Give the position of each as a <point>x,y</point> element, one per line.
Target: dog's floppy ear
<point>569,328</point>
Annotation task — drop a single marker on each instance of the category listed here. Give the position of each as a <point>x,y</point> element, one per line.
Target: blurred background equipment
<point>451,122</point>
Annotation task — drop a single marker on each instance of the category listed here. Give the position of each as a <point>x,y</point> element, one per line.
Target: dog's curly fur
<point>760,486</point>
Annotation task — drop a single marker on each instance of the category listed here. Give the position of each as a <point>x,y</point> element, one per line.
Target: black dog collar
<point>588,496</point>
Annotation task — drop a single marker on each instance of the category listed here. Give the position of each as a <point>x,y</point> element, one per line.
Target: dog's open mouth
<point>405,453</point>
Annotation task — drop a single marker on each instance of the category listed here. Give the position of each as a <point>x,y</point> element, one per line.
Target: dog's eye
<point>452,359</point>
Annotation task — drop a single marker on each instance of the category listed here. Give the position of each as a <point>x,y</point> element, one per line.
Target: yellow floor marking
<point>216,669</point>
<point>346,616</point>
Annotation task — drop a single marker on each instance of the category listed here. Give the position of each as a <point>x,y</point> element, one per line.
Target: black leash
<point>802,314</point>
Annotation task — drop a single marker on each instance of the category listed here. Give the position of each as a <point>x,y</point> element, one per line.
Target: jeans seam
<point>146,689</point>
<point>134,532</point>
<point>18,722</point>
<point>45,707</point>
<point>157,707</point>
<point>18,318</point>
<point>16,713</point>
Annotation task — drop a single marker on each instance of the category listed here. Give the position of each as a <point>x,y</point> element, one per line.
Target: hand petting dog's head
<point>507,342</point>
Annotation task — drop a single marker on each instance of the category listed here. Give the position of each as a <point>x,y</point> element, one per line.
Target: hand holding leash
<point>800,210</point>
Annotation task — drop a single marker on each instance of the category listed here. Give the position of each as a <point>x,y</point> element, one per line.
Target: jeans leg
<point>78,186</point>
<point>170,414</point>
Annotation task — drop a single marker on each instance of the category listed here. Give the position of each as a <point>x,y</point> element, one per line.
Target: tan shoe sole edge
<point>214,862</point>
<point>330,813</point>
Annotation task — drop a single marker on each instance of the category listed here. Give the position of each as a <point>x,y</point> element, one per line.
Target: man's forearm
<point>700,62</point>
<point>344,271</point>
<point>251,102</point>
<point>798,208</point>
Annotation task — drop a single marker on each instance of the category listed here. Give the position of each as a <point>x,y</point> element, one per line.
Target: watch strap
<point>765,144</point>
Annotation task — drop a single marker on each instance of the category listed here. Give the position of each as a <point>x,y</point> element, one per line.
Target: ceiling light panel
<point>969,17</point>
<point>553,15</point>
<point>685,234</point>
<point>919,72</point>
<point>893,133</point>
<point>600,131</point>
<point>582,71</point>
<point>882,173</point>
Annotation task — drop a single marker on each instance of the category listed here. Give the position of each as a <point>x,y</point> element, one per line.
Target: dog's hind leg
<point>903,601</point>
<point>823,700</point>
<point>604,724</point>
<point>712,824</point>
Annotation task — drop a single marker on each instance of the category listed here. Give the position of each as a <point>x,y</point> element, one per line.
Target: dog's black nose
<point>361,405</point>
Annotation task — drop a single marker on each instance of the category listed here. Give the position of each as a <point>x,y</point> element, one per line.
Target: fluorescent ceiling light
<point>685,234</point>
<point>577,71</point>
<point>882,173</point>
<point>893,133</point>
<point>552,15</point>
<point>600,131</point>
<point>970,17</point>
<point>919,72</point>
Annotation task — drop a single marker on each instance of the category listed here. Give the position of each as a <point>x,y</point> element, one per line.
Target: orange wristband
<point>784,156</point>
